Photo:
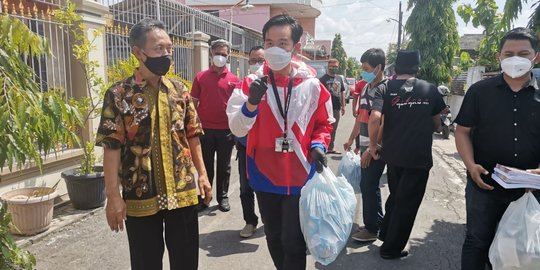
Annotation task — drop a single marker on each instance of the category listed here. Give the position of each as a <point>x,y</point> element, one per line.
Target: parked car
<point>351,82</point>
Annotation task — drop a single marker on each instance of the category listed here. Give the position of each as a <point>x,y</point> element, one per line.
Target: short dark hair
<point>220,43</point>
<point>520,33</point>
<point>296,29</point>
<point>374,57</point>
<point>137,34</point>
<point>256,48</point>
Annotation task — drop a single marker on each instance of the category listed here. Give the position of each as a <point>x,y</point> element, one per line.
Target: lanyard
<point>282,111</point>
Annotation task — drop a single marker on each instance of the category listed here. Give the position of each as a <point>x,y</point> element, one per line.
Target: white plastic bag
<point>517,241</point>
<point>349,167</point>
<point>327,209</point>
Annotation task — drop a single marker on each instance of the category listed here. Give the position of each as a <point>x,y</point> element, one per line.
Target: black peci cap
<point>408,59</point>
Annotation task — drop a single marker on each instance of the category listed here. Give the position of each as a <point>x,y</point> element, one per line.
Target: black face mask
<point>158,65</point>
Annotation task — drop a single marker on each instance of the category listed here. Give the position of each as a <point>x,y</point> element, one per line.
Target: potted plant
<point>85,184</point>
<point>32,123</point>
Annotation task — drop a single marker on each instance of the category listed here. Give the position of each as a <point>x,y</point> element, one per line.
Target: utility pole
<point>400,26</point>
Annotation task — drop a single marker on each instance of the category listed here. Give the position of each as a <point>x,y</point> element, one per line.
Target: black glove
<point>319,158</point>
<point>257,89</point>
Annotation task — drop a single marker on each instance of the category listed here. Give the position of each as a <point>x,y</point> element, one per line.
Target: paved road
<point>434,244</point>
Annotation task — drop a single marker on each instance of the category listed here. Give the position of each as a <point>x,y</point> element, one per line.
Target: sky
<point>362,23</point>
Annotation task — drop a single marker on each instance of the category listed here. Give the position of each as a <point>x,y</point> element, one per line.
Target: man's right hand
<point>116,213</point>
<point>257,89</point>
<point>476,171</point>
<point>365,159</point>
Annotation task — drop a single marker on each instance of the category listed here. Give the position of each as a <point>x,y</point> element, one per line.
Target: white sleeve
<point>240,119</point>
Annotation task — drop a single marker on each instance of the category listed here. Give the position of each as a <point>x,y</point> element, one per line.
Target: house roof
<point>470,42</point>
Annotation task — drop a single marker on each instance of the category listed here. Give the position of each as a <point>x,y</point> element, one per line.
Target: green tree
<point>353,67</point>
<point>512,9</point>
<point>32,122</point>
<point>485,15</point>
<point>433,31</point>
<point>339,53</point>
<point>391,53</point>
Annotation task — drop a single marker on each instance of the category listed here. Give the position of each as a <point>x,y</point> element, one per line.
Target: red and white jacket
<point>310,121</point>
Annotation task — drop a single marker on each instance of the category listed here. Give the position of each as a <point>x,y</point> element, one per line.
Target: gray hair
<point>137,34</point>
<point>220,43</point>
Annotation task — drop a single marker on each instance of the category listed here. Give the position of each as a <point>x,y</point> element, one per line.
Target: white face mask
<point>516,66</point>
<point>219,60</point>
<point>277,58</point>
<point>253,68</point>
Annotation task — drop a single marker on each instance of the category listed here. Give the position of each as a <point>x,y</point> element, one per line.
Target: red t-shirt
<point>213,91</point>
<point>358,87</point>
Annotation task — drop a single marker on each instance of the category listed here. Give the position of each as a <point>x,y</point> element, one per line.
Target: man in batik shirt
<point>150,133</point>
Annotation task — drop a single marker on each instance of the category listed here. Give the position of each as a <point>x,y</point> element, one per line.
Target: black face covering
<point>158,65</point>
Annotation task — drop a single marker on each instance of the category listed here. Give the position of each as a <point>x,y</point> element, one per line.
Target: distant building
<point>470,43</point>
<point>306,12</point>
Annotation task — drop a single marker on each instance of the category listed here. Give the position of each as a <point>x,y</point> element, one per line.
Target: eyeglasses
<point>256,61</point>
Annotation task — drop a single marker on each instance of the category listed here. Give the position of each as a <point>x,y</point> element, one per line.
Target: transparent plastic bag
<point>327,209</point>
<point>349,167</point>
<point>517,242</point>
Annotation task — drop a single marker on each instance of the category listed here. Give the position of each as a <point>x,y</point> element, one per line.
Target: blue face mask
<point>368,76</point>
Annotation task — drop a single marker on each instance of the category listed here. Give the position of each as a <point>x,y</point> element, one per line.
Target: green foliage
<point>339,53</point>
<point>32,123</point>
<point>465,61</point>
<point>512,9</point>
<point>534,19</point>
<point>12,257</point>
<point>391,53</point>
<point>353,68</point>
<point>485,15</point>
<point>433,31</point>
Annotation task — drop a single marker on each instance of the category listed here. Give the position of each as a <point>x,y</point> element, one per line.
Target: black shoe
<point>201,207</point>
<point>224,205</point>
<point>393,256</point>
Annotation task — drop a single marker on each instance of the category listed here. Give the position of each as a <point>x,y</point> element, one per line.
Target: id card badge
<point>284,145</point>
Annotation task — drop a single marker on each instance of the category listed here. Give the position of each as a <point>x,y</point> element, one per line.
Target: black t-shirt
<point>335,85</point>
<point>505,125</point>
<point>409,107</point>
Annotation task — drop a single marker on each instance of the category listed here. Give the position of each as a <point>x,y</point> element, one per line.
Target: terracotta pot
<point>30,214</point>
<point>85,191</point>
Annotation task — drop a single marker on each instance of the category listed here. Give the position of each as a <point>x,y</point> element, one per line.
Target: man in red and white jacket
<point>287,115</point>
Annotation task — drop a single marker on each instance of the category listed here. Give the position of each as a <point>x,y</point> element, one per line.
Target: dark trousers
<point>371,195</point>
<point>145,236</point>
<point>484,211</point>
<point>407,187</point>
<point>247,196</point>
<point>337,115</point>
<point>218,141</point>
<point>282,228</point>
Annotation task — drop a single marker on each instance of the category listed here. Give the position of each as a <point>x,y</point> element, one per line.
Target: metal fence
<point>180,21</point>
<point>53,71</point>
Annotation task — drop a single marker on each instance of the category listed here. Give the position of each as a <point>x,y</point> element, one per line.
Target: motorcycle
<point>446,122</point>
<point>446,116</point>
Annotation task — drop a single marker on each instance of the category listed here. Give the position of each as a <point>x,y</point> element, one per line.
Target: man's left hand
<point>205,189</point>
<point>375,152</point>
<point>342,111</point>
<point>319,158</point>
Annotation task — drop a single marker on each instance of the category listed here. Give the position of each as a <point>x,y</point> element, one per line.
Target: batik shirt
<point>151,127</point>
